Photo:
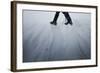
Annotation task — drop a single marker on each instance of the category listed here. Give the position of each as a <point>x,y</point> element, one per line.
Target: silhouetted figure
<point>67,16</point>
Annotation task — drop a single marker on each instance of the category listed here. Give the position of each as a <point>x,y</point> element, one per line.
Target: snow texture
<point>43,41</point>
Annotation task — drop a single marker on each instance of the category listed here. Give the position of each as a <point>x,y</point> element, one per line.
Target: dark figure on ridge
<point>67,16</point>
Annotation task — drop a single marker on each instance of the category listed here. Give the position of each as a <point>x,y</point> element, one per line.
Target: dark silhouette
<point>67,16</point>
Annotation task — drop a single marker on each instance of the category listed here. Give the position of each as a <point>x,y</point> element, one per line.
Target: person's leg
<point>67,16</point>
<point>55,18</point>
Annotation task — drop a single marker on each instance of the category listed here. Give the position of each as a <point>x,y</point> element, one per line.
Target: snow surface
<point>43,41</point>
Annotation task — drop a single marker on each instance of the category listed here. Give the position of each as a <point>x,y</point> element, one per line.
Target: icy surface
<point>43,41</point>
